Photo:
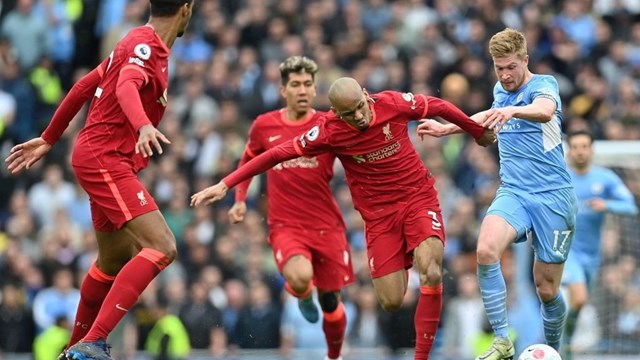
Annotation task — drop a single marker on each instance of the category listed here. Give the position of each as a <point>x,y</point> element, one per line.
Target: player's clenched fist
<point>209,195</point>
<point>488,138</point>
<point>237,212</point>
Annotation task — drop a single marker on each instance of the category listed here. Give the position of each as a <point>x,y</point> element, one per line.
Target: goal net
<point>610,324</point>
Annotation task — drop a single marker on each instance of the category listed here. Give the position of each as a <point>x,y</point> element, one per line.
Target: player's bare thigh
<point>496,234</point>
<point>547,278</point>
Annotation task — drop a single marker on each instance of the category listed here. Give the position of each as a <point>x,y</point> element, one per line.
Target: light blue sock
<point>554,313</point>
<point>494,296</point>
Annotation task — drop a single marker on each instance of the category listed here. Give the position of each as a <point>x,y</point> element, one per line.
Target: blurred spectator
<point>203,321</point>
<point>258,324</point>
<point>27,31</point>
<point>168,338</point>
<point>59,300</point>
<point>50,343</point>
<point>17,328</point>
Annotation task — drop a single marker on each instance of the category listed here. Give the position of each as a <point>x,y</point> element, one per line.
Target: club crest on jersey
<point>163,100</point>
<point>408,97</point>
<point>386,130</point>
<point>143,51</point>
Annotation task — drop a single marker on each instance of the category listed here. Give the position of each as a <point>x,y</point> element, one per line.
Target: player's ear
<point>282,92</point>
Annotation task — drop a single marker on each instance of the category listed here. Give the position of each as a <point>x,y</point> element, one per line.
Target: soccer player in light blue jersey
<point>599,191</point>
<point>536,199</point>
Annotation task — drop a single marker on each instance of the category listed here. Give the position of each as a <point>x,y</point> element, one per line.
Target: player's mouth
<point>304,102</point>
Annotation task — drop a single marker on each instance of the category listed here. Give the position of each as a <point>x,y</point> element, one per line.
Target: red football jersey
<point>108,136</point>
<point>382,167</point>
<point>298,189</point>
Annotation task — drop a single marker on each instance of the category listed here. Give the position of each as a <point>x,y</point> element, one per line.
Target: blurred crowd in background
<point>225,288</point>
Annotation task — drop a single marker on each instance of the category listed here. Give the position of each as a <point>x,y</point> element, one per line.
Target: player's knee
<point>486,253</point>
<point>329,302</point>
<point>433,275</point>
<point>547,292</point>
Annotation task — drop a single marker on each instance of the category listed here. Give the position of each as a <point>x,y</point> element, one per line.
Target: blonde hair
<point>297,64</point>
<point>508,42</point>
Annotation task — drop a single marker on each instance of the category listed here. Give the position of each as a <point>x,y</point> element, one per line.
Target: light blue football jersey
<point>531,155</point>
<point>598,183</point>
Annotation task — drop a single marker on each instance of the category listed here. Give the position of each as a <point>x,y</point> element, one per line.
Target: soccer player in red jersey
<point>307,233</point>
<point>390,186</point>
<point>129,91</point>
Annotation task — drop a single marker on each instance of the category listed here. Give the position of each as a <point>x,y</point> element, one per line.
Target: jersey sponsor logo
<point>274,138</point>
<point>300,163</point>
<point>313,133</point>
<point>511,125</point>
<point>408,97</point>
<point>142,198</point>
<point>143,51</point>
<point>380,154</point>
<point>386,130</point>
<point>135,60</point>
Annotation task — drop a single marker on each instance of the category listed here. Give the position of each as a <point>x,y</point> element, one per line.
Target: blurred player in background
<point>536,199</point>
<point>129,91</point>
<point>307,233</point>
<point>390,186</point>
<point>599,191</point>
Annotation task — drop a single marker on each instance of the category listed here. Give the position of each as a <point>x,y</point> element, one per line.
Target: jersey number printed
<point>559,245</point>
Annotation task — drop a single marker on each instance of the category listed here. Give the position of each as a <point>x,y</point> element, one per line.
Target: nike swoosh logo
<point>164,68</point>
<point>274,138</point>
<point>121,308</point>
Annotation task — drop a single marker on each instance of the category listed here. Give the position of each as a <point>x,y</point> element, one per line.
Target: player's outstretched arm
<point>257,165</point>
<point>540,110</point>
<point>435,128</point>
<point>83,90</point>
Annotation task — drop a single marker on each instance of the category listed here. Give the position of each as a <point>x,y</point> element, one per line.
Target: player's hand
<point>149,139</point>
<point>209,195</point>
<point>496,118</point>
<point>26,154</point>
<point>598,205</point>
<point>432,128</point>
<point>237,211</point>
<point>488,138</point>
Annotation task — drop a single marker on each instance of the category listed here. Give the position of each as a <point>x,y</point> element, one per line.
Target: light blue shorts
<point>548,218</point>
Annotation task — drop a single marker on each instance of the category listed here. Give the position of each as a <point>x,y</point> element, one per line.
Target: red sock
<point>127,287</point>
<point>334,325</point>
<point>302,295</point>
<point>93,290</point>
<point>426,320</point>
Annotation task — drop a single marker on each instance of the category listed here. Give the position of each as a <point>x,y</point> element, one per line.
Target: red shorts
<point>392,238</point>
<point>328,251</point>
<point>115,194</point>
